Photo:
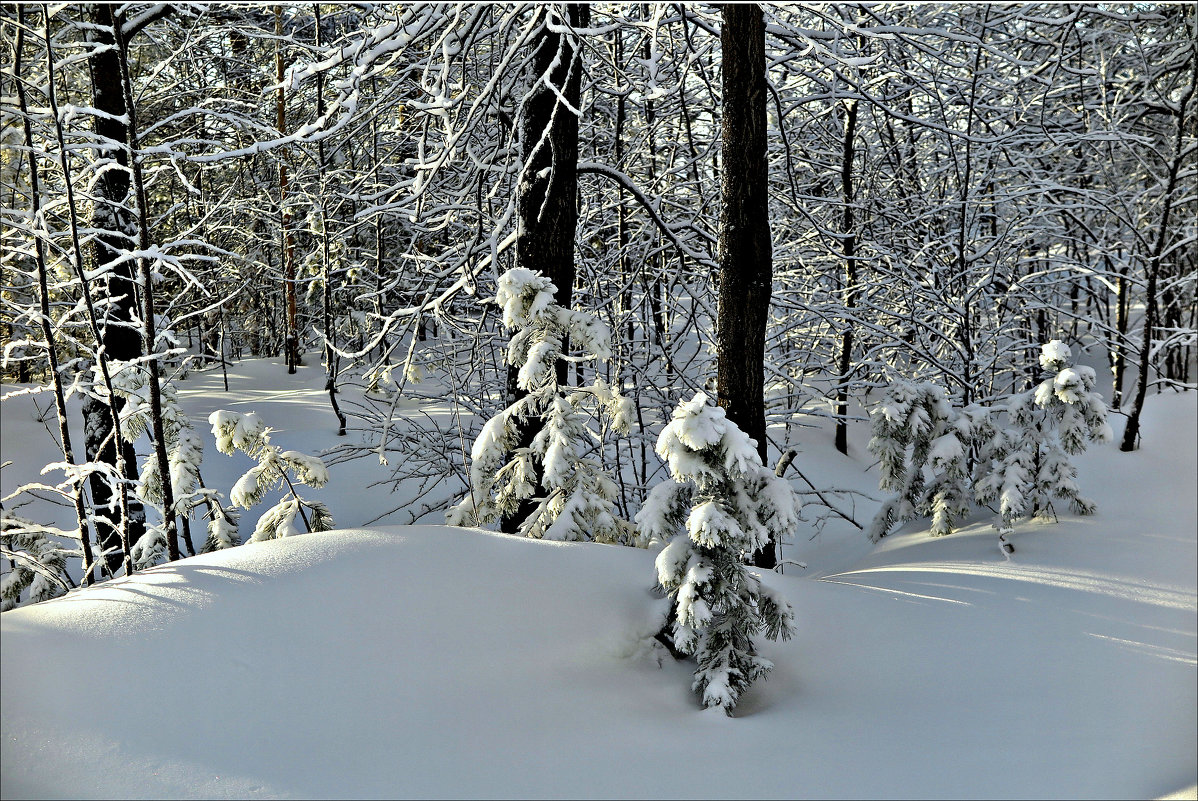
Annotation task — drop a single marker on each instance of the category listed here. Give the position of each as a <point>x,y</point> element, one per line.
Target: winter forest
<point>552,374</point>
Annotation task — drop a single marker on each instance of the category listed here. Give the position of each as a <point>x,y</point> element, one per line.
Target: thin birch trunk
<point>60,403</point>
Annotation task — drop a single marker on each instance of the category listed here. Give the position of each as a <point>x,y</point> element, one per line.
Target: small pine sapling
<point>37,563</point>
<point>222,528</point>
<point>275,468</point>
<point>923,445</point>
<point>185,452</point>
<point>719,506</point>
<point>577,500</point>
<point>1029,461</point>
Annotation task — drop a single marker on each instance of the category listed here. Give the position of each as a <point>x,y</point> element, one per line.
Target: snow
<point>432,661</point>
<point>709,526</point>
<point>233,430</point>
<point>1054,354</point>
<point>308,469</point>
<point>244,491</point>
<point>1068,386</point>
<point>945,449</point>
<point>523,295</point>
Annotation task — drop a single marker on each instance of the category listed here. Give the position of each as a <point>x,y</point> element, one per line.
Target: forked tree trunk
<point>43,296</point>
<point>1164,234</point>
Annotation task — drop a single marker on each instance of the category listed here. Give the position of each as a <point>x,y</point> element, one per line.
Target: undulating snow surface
<point>430,661</point>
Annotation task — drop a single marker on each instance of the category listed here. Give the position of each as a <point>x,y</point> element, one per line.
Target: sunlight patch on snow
<point>272,396</point>
<point>165,775</point>
<point>150,601</point>
<point>1156,595</point>
<point>1171,654</point>
<point>889,591</point>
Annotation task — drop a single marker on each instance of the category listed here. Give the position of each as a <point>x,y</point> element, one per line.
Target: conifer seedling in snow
<point>923,443</point>
<point>275,468</point>
<point>940,459</point>
<point>578,498</point>
<point>1030,459</point>
<point>719,506</point>
<point>185,452</point>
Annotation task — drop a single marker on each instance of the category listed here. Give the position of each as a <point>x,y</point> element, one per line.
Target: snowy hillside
<point>430,661</point>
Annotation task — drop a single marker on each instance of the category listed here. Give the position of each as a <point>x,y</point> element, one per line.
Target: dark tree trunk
<point>120,337</point>
<point>149,333</point>
<point>1119,354</point>
<point>651,272</point>
<point>545,201</point>
<point>745,249</point>
<point>849,245</point>
<point>287,245</point>
<point>330,334</point>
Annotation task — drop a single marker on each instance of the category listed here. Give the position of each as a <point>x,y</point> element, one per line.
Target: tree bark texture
<point>745,248</point>
<point>849,247</point>
<point>547,215</point>
<point>545,202</point>
<point>287,249</point>
<point>120,337</point>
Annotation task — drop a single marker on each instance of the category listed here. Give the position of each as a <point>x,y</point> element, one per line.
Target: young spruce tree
<point>923,443</point>
<point>719,507</point>
<point>1029,460</point>
<point>939,459</point>
<point>574,498</point>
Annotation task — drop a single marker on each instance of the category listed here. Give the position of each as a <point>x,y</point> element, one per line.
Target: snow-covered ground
<point>429,661</point>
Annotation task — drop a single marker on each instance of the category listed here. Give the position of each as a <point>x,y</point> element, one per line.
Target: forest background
<point>945,188</point>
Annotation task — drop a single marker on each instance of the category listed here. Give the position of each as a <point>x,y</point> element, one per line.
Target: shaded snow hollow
<point>430,661</point>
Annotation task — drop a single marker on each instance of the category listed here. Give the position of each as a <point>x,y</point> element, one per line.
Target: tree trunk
<point>120,339</point>
<point>1119,358</point>
<point>651,272</point>
<point>622,267</point>
<point>60,404</point>
<point>745,249</point>
<point>545,201</point>
<point>849,245</point>
<point>330,334</point>
<point>147,289</point>
<point>287,245</point>
<point>1131,433</point>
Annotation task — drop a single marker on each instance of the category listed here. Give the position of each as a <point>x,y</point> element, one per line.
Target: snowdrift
<point>430,661</point>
